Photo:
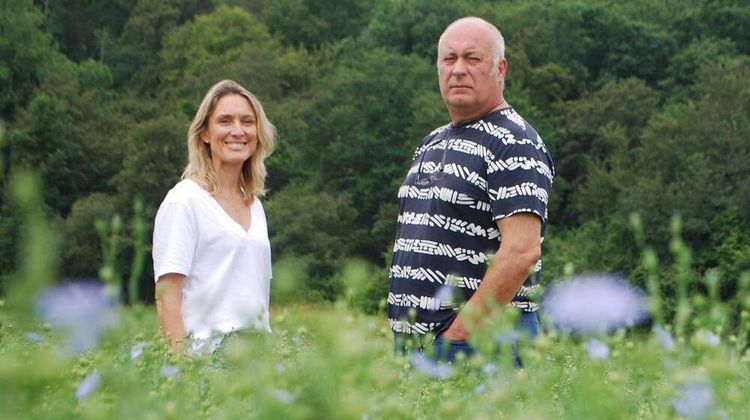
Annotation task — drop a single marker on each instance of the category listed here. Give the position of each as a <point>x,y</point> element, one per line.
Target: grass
<point>330,362</point>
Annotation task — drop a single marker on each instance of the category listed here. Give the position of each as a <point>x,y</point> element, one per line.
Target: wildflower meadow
<point>607,350</point>
<point>643,105</point>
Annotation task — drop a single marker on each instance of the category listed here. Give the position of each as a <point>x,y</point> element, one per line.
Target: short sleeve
<point>519,176</point>
<point>175,236</point>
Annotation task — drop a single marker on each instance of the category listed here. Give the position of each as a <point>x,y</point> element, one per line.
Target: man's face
<point>469,81</point>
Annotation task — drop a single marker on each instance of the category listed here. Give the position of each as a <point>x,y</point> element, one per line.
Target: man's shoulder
<point>508,126</point>
<point>508,119</point>
<point>435,132</point>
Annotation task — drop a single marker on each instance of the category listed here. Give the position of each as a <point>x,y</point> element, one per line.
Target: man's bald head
<point>493,34</point>
<point>471,68</point>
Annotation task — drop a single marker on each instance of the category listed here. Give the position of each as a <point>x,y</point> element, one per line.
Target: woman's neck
<point>229,179</point>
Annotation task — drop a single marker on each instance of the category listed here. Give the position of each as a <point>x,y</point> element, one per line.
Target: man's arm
<point>520,248</point>
<point>169,308</point>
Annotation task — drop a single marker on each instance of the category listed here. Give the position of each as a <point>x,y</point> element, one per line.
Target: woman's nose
<point>237,128</point>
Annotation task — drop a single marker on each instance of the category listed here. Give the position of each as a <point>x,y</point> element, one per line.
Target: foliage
<point>318,229</point>
<point>26,53</point>
<point>643,105</point>
<point>227,43</point>
<point>412,27</point>
<point>81,250</point>
<point>327,361</point>
<point>311,24</point>
<point>136,52</point>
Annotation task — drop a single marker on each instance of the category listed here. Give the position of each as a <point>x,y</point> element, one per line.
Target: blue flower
<point>594,304</point>
<point>82,309</point>
<point>137,350</point>
<point>706,339</point>
<point>34,338</point>
<point>694,399</point>
<point>283,396</point>
<point>170,371</point>
<point>489,369</point>
<point>430,367</point>
<point>597,349</point>
<point>88,385</point>
<point>509,337</point>
<point>664,337</point>
<point>444,298</point>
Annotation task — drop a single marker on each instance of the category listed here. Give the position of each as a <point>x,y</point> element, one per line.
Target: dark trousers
<point>448,350</point>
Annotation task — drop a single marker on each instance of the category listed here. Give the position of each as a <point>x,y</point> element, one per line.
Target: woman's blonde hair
<point>199,167</point>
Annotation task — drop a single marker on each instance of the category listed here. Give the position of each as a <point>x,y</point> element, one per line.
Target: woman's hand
<point>169,308</point>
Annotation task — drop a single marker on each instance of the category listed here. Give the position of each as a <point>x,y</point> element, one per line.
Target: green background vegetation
<point>645,107</point>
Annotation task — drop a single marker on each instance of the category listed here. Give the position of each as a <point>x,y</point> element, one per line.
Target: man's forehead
<point>465,37</point>
<point>464,46</point>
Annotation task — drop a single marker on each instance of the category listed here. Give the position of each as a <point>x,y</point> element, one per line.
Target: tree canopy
<point>645,107</point>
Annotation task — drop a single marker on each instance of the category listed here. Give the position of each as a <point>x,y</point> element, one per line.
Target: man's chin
<point>459,101</point>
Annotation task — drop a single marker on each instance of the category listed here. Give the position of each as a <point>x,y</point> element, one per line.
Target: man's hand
<point>457,331</point>
<point>519,250</point>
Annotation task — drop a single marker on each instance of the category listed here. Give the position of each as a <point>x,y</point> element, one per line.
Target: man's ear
<point>502,67</point>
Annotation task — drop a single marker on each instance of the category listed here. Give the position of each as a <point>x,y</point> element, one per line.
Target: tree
<point>135,61</point>
<point>155,156</point>
<point>69,133</point>
<point>82,248</point>
<point>600,132</point>
<point>86,28</point>
<point>227,43</point>
<point>26,54</point>
<point>311,24</point>
<point>412,27</point>
<point>316,228</point>
<point>364,122</point>
<point>694,159</point>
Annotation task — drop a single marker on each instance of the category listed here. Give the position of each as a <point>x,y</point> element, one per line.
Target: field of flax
<point>611,351</point>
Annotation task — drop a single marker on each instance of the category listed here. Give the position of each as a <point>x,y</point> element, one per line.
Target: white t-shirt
<point>227,269</point>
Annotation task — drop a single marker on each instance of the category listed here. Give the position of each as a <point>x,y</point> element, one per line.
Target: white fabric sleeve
<point>175,236</point>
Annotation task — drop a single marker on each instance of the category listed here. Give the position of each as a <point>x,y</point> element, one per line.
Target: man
<point>477,186</point>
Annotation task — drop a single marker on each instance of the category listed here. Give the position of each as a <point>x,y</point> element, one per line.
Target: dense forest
<point>645,106</point>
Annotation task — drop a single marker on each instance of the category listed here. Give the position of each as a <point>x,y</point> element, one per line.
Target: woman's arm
<point>169,308</point>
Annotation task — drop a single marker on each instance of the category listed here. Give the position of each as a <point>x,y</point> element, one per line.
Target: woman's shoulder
<point>185,192</point>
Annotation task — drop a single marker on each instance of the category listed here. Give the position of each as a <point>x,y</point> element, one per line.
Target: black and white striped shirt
<point>462,179</point>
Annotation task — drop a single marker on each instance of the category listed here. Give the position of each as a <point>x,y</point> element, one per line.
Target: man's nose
<point>459,67</point>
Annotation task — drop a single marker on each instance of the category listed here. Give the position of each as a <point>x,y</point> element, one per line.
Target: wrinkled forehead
<point>466,37</point>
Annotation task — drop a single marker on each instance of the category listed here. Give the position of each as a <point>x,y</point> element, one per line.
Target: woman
<point>212,257</point>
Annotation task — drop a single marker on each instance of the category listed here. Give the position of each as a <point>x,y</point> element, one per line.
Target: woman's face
<point>232,131</point>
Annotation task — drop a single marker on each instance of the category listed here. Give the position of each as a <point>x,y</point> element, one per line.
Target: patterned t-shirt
<point>463,178</point>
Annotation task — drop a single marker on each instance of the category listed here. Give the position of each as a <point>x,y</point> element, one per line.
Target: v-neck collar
<point>226,215</point>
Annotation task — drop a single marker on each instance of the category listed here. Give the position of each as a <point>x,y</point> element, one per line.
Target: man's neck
<point>460,118</point>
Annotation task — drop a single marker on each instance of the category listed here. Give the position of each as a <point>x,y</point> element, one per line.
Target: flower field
<point>331,362</point>
<point>607,350</point>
